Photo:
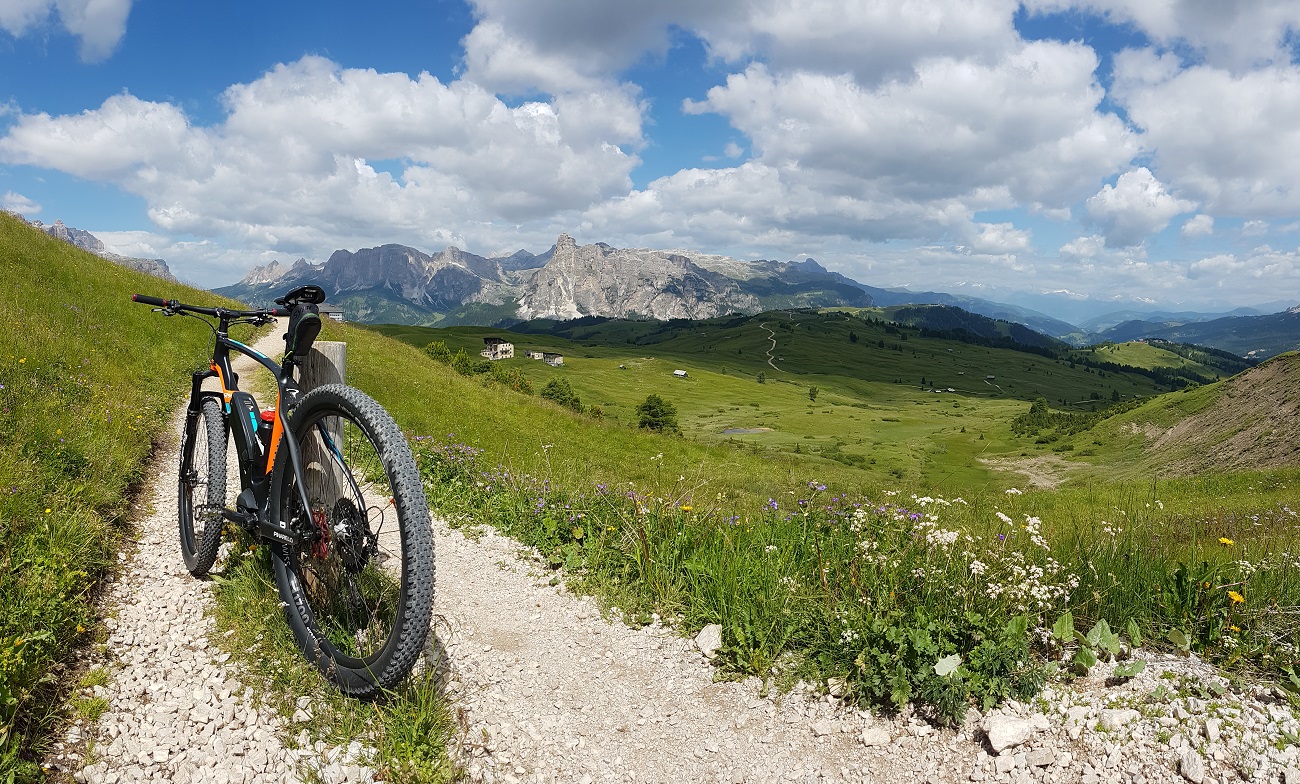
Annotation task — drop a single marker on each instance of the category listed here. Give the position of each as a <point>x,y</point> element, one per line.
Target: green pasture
<point>1150,355</point>
<point>892,431</point>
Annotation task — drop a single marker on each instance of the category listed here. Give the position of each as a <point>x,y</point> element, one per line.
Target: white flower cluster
<point>938,537</point>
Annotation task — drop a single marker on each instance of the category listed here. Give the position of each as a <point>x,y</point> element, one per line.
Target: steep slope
<point>89,242</point>
<point>1251,425</point>
<point>1246,422</point>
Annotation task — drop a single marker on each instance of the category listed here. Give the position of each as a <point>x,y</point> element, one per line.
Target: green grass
<point>704,528</point>
<point>895,430</point>
<point>86,378</point>
<point>407,732</point>
<point>1149,355</point>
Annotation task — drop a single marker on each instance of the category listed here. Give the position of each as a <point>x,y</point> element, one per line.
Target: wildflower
<point>771,503</point>
<point>1014,491</point>
<point>47,510</point>
<point>771,548</point>
<point>1225,541</point>
<point>686,507</point>
<point>1234,628</point>
<point>81,629</point>
<point>1236,597</point>
<point>1003,517</point>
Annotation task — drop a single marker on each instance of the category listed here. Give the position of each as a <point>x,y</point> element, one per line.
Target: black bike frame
<point>255,474</point>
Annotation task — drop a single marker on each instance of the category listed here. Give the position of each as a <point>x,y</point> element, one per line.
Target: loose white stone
<point>1114,718</point>
<point>1192,766</point>
<point>709,640</point>
<point>1005,732</point>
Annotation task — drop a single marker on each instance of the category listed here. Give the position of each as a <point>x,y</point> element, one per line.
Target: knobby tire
<point>202,490</point>
<point>358,592</point>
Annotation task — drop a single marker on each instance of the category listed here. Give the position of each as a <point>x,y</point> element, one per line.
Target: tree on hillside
<point>655,413</point>
<point>853,336</point>
<point>559,391</point>
<point>762,377</point>
<point>438,351</point>
<point>812,394</point>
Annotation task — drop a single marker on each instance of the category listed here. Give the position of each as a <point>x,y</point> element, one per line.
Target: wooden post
<point>326,363</point>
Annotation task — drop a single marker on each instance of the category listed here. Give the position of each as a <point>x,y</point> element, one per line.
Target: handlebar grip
<point>145,299</point>
<point>280,312</point>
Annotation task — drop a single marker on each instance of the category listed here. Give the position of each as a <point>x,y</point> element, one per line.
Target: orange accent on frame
<point>226,391</point>
<point>277,432</point>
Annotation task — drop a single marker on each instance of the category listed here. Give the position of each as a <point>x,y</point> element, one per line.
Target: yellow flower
<point>47,510</point>
<point>1234,628</point>
<point>81,629</point>
<point>686,507</point>
<point>1236,597</point>
<point>1225,541</point>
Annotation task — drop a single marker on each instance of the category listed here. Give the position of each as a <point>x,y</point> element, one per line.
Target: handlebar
<point>175,306</point>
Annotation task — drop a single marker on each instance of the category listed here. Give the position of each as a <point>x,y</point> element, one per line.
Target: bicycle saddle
<point>309,294</point>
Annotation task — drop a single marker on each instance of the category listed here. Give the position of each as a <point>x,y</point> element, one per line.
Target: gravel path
<point>177,710</point>
<point>553,692</point>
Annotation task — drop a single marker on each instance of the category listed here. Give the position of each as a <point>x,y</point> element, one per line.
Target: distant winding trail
<point>771,335</point>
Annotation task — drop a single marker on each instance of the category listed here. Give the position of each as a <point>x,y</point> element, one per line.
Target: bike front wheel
<point>202,489</point>
<point>358,589</point>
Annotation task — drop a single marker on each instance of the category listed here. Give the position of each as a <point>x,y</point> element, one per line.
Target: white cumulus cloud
<point>1236,34</point>
<point>1227,140</point>
<point>16,202</point>
<point>99,24</point>
<point>1198,226</point>
<point>312,156</point>
<point>1135,207</point>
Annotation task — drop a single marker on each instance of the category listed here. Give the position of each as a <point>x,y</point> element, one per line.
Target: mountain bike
<point>328,482</point>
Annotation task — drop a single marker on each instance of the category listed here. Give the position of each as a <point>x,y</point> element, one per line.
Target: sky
<point>1145,149</point>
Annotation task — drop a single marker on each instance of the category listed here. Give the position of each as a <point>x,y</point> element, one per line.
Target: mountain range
<point>399,284</point>
<point>402,285</point>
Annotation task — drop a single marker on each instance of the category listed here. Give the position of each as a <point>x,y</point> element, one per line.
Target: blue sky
<point>1110,149</point>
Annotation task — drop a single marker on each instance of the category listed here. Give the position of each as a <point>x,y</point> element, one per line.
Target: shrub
<point>655,413</point>
<point>558,390</point>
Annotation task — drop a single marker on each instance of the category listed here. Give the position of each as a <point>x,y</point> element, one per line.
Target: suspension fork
<point>192,413</point>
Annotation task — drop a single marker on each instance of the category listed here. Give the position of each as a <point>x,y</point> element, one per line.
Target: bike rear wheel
<point>358,590</point>
<point>202,490</point>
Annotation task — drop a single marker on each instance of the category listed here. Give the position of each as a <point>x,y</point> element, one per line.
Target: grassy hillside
<point>527,435</point>
<point>869,409</point>
<point>87,379</point>
<point>1247,422</point>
